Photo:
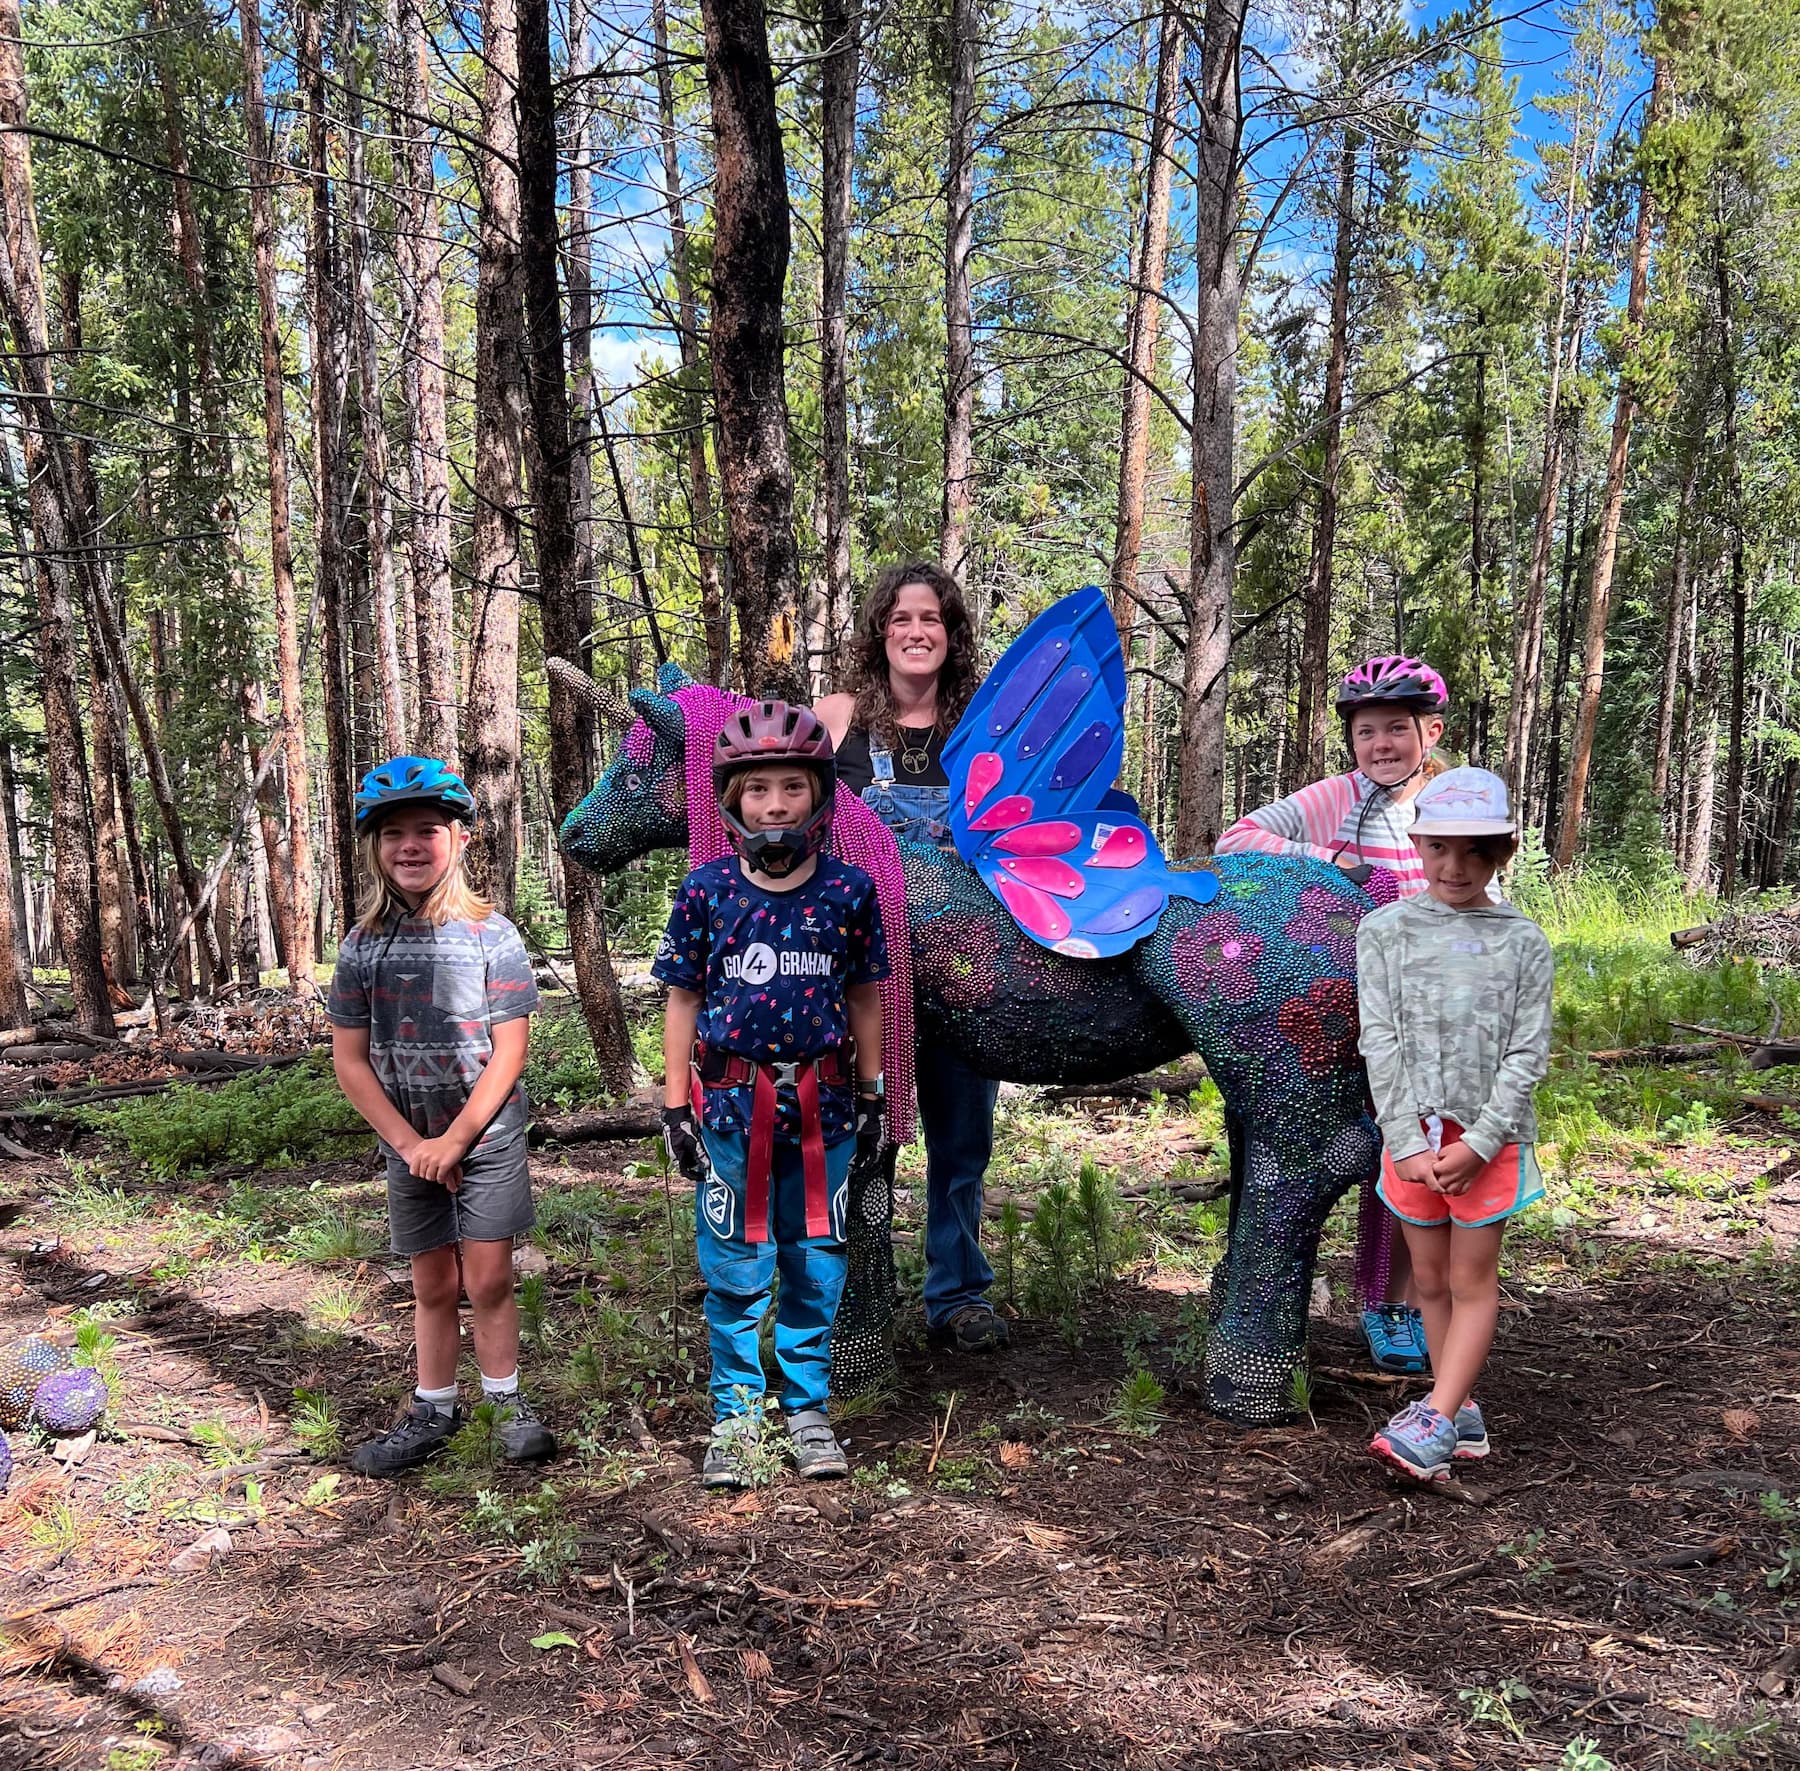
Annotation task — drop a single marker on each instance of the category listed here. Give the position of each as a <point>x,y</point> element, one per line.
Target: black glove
<point>1359,874</point>
<point>681,1138</point>
<point>871,1129</point>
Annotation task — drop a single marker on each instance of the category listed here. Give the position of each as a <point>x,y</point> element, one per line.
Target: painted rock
<point>70,1401</point>
<point>23,1366</point>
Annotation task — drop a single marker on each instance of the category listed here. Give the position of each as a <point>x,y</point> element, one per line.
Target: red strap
<point>760,1159</point>
<point>812,1155</point>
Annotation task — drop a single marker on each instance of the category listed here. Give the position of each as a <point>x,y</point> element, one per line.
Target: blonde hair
<point>452,899</point>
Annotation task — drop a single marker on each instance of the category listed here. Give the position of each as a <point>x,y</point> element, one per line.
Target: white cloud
<point>623,358</point>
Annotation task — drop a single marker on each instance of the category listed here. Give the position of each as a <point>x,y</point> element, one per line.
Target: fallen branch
<point>81,1598</point>
<point>1772,1103</point>
<point>1653,1054</point>
<point>589,1128</point>
<point>1130,1088</point>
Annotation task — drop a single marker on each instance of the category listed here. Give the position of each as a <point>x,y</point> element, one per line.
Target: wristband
<point>874,1087</point>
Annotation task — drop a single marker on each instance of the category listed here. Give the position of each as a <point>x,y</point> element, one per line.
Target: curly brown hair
<point>959,676</point>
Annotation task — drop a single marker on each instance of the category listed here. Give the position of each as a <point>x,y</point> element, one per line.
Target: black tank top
<point>856,769</point>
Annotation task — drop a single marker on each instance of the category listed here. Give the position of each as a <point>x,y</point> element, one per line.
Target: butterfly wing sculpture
<point>1033,805</point>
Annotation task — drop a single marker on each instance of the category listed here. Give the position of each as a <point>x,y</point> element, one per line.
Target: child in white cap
<point>1454,993</point>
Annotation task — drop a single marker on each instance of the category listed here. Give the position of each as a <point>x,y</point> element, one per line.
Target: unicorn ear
<point>671,677</point>
<point>660,714</point>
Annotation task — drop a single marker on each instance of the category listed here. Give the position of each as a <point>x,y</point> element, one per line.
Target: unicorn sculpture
<point>1056,945</point>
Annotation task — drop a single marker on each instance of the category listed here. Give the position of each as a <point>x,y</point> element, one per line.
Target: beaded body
<point>23,1366</point>
<point>1259,979</point>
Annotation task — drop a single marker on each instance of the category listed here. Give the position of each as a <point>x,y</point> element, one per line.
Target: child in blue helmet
<point>430,1009</point>
<point>772,1051</point>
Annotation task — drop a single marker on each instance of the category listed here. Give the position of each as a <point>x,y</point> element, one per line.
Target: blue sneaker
<point>1419,1442</point>
<point>1396,1337</point>
<point>1471,1431</point>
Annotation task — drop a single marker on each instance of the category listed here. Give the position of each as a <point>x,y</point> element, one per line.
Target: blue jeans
<point>956,1106</point>
<point>956,1111</point>
<point>739,1274</point>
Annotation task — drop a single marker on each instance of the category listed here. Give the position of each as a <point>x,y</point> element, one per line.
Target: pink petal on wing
<point>1048,875</point>
<point>1124,848</point>
<point>1004,813</point>
<point>985,770</point>
<point>1040,839</point>
<point>1034,911</point>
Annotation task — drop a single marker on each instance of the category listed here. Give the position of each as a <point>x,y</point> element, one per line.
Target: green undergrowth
<point>268,1119</point>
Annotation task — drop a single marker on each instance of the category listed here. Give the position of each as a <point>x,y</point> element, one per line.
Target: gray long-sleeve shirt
<point>1455,1011</point>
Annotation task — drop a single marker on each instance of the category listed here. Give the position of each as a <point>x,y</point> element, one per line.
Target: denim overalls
<point>956,1106</point>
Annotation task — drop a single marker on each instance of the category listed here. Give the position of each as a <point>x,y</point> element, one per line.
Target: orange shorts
<point>1501,1189</point>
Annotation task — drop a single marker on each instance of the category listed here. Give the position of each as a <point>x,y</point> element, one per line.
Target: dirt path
<point>1023,1584</point>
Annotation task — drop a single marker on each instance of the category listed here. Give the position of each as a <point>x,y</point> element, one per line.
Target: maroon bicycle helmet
<point>776,732</point>
<point>1410,681</point>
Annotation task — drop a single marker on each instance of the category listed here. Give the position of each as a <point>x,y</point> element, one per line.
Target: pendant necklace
<point>915,762</point>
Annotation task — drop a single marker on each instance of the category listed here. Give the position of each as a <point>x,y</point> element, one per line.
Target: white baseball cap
<point>1463,802</point>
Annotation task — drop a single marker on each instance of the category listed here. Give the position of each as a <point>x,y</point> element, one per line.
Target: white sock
<point>500,1386</point>
<point>444,1398</point>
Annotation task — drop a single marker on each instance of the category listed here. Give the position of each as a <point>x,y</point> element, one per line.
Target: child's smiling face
<point>1456,872</point>
<point>1390,741</point>
<point>777,797</point>
<point>415,847</point>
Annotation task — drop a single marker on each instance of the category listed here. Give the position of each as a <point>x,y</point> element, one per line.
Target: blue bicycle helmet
<point>411,781</point>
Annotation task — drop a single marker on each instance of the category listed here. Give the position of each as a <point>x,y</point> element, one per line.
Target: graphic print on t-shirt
<point>772,969</point>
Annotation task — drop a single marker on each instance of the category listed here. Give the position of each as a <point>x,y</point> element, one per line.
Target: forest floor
<point>1051,1558</point>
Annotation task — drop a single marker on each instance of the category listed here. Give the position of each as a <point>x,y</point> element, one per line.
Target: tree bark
<point>959,323</point>
<point>1739,582</point>
<point>713,618</point>
<point>579,252</point>
<point>751,240</point>
<point>840,29</point>
<point>329,382</point>
<point>1212,536</point>
<point>56,521</point>
<point>297,937</point>
<point>1315,636</point>
<point>1674,624</point>
<point>1144,322</point>
<point>490,740</point>
<point>548,443</point>
<point>376,486</point>
<point>433,604</point>
<point>1593,662</point>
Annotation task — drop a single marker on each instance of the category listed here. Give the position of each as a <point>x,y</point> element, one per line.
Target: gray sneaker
<point>971,1328</point>
<point>1471,1432</point>
<point>1419,1442</point>
<point>728,1461</point>
<point>817,1454</point>
<point>522,1434</point>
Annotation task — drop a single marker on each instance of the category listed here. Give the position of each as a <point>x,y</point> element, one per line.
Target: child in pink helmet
<point>1393,711</point>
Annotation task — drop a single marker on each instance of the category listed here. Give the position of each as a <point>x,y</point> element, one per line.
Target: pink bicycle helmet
<point>1409,681</point>
<point>775,732</point>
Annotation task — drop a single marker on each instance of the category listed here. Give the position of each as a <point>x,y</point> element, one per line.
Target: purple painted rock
<point>5,1463</point>
<point>70,1401</point>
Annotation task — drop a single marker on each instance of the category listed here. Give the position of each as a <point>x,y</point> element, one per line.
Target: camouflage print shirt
<point>1455,1009</point>
<point>431,995</point>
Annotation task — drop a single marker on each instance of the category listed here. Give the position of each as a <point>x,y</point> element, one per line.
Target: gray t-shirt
<point>430,995</point>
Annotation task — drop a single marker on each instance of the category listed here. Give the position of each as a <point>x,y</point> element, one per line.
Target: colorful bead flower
<point>1218,951</point>
<point>1328,922</point>
<point>1322,1025</point>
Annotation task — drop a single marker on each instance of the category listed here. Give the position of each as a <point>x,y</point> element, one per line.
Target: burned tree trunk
<point>840,27</point>
<point>751,241</point>
<point>959,322</point>
<point>548,444</point>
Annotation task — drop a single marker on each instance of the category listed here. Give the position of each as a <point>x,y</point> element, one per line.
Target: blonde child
<point>772,957</point>
<point>1454,992</point>
<point>1392,710</point>
<point>430,1009</point>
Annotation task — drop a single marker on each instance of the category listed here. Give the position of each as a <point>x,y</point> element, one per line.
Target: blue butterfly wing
<point>1033,806</point>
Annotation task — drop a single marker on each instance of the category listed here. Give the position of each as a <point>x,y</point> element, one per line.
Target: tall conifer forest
<point>362,357</point>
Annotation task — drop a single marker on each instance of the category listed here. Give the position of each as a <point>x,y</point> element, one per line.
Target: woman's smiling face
<point>917,643</point>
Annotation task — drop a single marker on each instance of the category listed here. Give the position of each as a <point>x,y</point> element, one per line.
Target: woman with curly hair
<point>912,670</point>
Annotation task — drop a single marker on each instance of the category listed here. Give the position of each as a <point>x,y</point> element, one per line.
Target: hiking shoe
<point>522,1434</point>
<point>1471,1431</point>
<point>727,1462</point>
<point>817,1455</point>
<point>1396,1337</point>
<point>421,1434</point>
<point>971,1328</point>
<point>1419,1442</point>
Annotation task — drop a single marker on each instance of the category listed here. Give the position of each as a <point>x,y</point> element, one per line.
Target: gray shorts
<point>493,1203</point>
